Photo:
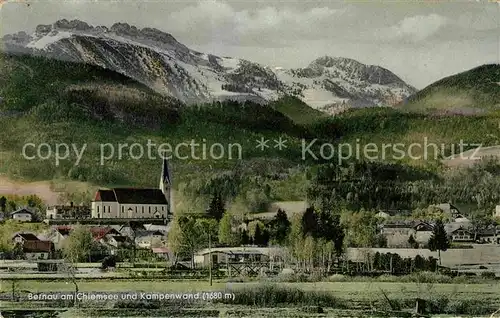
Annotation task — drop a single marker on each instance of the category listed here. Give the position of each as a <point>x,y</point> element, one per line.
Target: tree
<point>226,233</point>
<point>480,222</point>
<point>413,243</point>
<point>3,204</point>
<point>331,230</point>
<point>280,227</point>
<point>361,228</point>
<point>254,230</point>
<point>261,236</point>
<point>296,237</point>
<point>206,228</point>
<point>439,239</point>
<point>78,246</point>
<point>12,205</point>
<point>310,222</point>
<point>189,234</point>
<point>216,208</point>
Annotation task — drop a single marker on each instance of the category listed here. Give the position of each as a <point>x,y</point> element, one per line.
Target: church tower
<point>166,186</point>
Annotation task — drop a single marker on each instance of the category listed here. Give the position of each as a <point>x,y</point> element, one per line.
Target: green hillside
<point>52,102</point>
<point>298,111</point>
<point>471,91</point>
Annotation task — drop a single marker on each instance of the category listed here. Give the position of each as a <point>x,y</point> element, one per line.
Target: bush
<point>488,275</point>
<point>430,277</point>
<point>273,295</point>
<point>138,304</point>
<point>338,278</point>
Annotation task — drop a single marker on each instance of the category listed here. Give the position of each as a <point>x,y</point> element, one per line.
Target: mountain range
<point>158,60</point>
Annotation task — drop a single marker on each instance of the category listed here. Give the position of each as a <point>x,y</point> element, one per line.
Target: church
<point>136,203</point>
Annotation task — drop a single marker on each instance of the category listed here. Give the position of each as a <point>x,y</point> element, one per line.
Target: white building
<point>22,215</point>
<point>135,203</point>
<point>149,239</point>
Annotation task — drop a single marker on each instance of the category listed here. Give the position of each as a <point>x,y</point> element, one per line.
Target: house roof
<point>454,228</point>
<point>37,246</point>
<point>64,232</point>
<point>63,229</point>
<point>131,227</point>
<point>145,233</point>
<point>488,232</point>
<point>69,207</point>
<point>154,227</point>
<point>423,226</point>
<point>131,196</point>
<point>398,225</point>
<point>100,232</point>
<point>105,196</point>
<point>23,210</point>
<point>160,250</point>
<point>242,249</point>
<point>120,238</point>
<point>26,236</point>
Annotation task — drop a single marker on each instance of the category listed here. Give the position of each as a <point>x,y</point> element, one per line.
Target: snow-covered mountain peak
<point>157,59</point>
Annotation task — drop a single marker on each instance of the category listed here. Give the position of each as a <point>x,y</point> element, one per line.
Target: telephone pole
<point>210,258</point>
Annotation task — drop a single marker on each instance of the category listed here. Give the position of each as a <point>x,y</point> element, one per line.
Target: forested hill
<point>47,101</point>
<point>473,91</point>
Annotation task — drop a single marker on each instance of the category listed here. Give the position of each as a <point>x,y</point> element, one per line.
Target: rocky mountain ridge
<point>158,60</point>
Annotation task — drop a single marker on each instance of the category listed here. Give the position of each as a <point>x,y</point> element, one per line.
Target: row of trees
<point>375,186</point>
<point>11,203</point>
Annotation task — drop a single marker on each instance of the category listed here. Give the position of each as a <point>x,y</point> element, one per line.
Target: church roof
<point>165,173</point>
<point>105,196</point>
<point>131,196</point>
<point>140,196</point>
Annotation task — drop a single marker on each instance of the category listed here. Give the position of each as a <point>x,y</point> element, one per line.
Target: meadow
<point>267,299</point>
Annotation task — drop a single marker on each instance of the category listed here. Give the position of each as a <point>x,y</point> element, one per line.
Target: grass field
<point>338,289</point>
<point>257,299</point>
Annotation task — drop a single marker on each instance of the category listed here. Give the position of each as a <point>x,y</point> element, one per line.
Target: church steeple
<point>166,184</point>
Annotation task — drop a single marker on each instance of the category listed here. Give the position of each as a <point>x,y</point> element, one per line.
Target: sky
<point>420,41</point>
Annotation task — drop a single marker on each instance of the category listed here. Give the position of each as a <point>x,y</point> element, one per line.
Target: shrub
<point>488,275</point>
<point>138,304</point>
<point>430,277</point>
<point>273,295</point>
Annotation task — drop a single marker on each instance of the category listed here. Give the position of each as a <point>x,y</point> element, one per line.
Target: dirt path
<point>42,189</point>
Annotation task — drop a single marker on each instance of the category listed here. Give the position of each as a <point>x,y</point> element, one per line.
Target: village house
<point>229,255</point>
<point>154,227</point>
<point>22,215</point>
<point>32,247</point>
<point>135,203</point>
<point>422,232</point>
<point>58,235</point>
<point>397,233</point>
<point>490,235</point>
<point>459,233</point>
<point>100,233</point>
<point>34,250</point>
<point>385,214</point>
<point>161,252</point>
<point>21,238</point>
<point>117,241</point>
<point>71,211</point>
<point>147,239</point>
<point>130,229</point>
<point>450,209</point>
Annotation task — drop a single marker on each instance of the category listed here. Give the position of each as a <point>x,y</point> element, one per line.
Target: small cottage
<point>22,215</point>
<point>34,250</point>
